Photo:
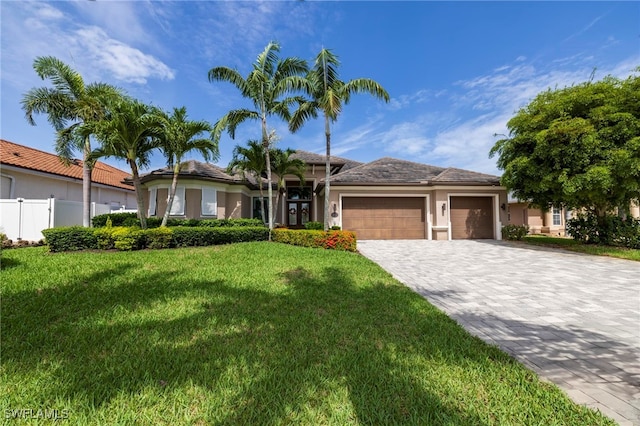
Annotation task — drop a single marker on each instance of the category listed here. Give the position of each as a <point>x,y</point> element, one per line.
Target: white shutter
<point>177,208</point>
<point>209,202</point>
<point>153,194</point>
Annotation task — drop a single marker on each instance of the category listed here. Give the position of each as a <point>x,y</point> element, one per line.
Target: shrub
<point>336,240</point>
<point>206,236</point>
<point>514,232</point>
<point>335,228</point>
<point>314,226</point>
<point>70,238</point>
<point>127,239</point>
<point>158,238</point>
<point>104,237</point>
<point>117,219</point>
<point>607,230</point>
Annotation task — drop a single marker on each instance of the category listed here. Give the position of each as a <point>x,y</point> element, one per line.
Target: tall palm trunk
<point>142,211</point>
<point>265,143</point>
<point>172,193</point>
<point>327,179</point>
<point>86,184</point>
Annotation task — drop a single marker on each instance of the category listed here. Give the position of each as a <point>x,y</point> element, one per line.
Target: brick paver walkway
<point>574,319</point>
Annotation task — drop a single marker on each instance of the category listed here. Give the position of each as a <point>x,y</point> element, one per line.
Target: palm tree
<point>250,160</point>
<point>282,164</point>
<point>328,93</point>
<point>179,137</point>
<point>131,132</point>
<point>270,79</point>
<point>69,104</point>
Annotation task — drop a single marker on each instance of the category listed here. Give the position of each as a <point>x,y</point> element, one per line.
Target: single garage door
<point>384,218</point>
<point>471,218</point>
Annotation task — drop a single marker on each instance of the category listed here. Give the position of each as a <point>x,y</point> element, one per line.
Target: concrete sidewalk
<point>574,319</point>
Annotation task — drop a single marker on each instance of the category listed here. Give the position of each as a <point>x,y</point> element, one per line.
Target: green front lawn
<point>252,333</point>
<point>572,245</point>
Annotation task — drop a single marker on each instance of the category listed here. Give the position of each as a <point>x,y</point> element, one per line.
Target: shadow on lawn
<point>281,353</point>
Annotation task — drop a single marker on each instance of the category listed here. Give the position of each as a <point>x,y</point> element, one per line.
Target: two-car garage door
<point>390,218</point>
<point>384,218</point>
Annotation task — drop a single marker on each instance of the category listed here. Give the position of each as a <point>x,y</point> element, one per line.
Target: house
<point>384,199</point>
<point>33,174</point>
<point>550,222</point>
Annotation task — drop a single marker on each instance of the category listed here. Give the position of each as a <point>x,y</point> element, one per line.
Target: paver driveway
<point>572,318</point>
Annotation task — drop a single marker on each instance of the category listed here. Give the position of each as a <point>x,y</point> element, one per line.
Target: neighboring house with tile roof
<point>33,174</point>
<point>384,199</point>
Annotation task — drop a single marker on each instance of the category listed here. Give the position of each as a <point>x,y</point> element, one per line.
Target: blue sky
<point>456,71</point>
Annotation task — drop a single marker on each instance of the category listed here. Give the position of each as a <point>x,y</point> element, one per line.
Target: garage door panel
<point>384,217</point>
<point>471,218</point>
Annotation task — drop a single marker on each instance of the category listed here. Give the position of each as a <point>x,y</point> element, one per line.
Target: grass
<point>252,333</point>
<point>572,245</point>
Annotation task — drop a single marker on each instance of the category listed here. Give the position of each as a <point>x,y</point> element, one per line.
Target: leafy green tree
<point>282,165</point>
<point>328,93</point>
<point>577,147</point>
<point>131,132</point>
<point>250,160</point>
<point>267,85</point>
<point>179,136</point>
<point>69,103</point>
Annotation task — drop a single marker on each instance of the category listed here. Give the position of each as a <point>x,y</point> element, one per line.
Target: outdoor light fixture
<point>503,206</point>
<point>444,208</point>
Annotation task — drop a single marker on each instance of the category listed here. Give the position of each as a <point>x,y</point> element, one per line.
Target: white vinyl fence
<point>22,219</point>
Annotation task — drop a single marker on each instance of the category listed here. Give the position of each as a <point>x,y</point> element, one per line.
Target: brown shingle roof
<point>197,169</point>
<point>24,157</point>
<point>453,175</point>
<point>388,171</point>
<point>391,171</point>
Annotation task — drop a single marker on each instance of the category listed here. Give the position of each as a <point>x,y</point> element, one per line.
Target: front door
<point>298,206</point>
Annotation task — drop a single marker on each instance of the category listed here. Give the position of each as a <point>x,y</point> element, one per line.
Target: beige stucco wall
<point>41,186</point>
<point>232,200</point>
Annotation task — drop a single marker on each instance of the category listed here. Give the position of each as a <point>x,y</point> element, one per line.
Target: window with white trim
<point>557,216</point>
<point>177,208</point>
<point>153,194</point>
<point>209,205</point>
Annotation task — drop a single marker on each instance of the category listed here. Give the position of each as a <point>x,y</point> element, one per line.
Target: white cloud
<point>88,49</point>
<point>124,62</point>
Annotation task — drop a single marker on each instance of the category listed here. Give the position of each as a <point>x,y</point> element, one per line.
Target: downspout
<point>12,185</point>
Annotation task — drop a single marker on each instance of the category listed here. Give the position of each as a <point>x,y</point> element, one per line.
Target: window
<point>257,208</point>
<point>209,206</point>
<point>153,194</point>
<point>557,216</point>
<point>177,208</point>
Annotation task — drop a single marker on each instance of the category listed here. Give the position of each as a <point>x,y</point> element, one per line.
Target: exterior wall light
<point>444,208</point>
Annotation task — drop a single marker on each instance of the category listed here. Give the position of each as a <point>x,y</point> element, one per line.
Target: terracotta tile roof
<point>33,159</point>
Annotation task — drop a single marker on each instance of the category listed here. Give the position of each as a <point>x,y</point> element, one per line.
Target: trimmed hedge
<point>207,236</point>
<point>514,232</point>
<point>117,219</point>
<point>70,238</point>
<point>131,219</point>
<point>133,238</point>
<point>335,240</point>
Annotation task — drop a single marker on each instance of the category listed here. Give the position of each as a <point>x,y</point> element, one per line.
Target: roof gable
<point>24,157</point>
